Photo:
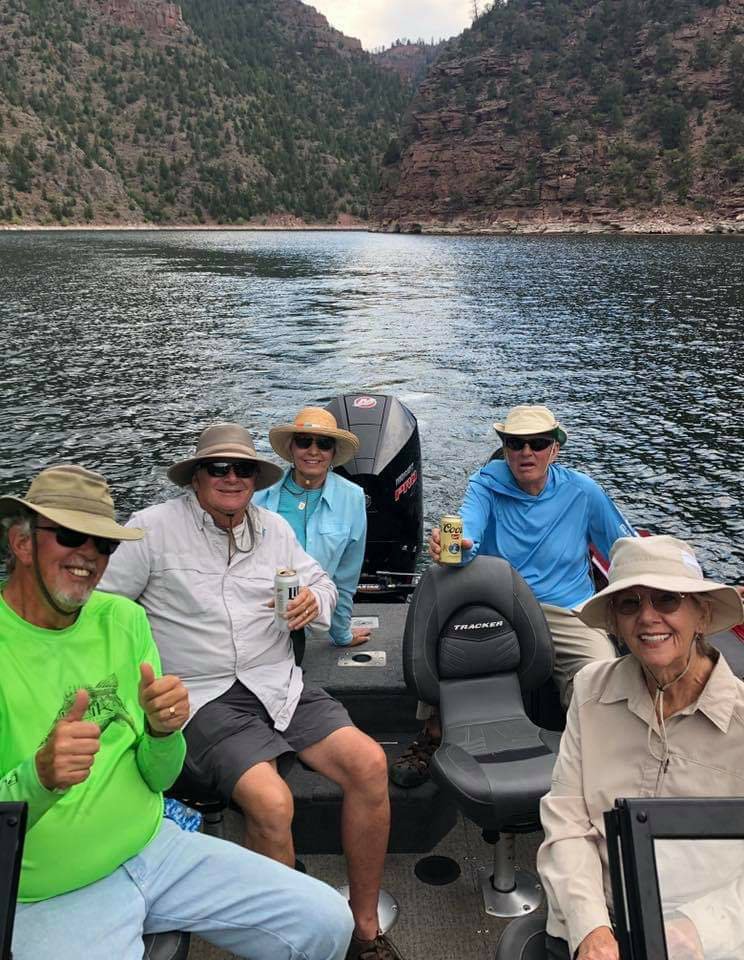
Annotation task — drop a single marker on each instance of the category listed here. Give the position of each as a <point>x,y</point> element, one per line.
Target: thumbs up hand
<point>165,701</point>
<point>70,749</point>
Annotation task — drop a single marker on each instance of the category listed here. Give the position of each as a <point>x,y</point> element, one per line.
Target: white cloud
<point>379,22</point>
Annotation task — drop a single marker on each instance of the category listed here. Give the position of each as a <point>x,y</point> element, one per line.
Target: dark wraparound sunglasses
<point>241,468</point>
<point>73,538</point>
<point>538,444</point>
<point>663,602</point>
<point>322,443</point>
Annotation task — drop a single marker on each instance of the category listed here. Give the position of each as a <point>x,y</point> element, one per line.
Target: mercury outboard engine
<point>388,468</point>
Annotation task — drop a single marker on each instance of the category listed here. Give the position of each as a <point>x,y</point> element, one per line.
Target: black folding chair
<point>12,831</point>
<point>640,833</point>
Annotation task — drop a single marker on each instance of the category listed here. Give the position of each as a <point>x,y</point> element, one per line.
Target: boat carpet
<point>436,923</point>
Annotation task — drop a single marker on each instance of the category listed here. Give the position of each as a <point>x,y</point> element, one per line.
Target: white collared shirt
<point>211,621</point>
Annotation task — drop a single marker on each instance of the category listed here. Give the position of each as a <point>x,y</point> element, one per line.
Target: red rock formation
<point>464,160</point>
<point>153,16</point>
<point>307,17</point>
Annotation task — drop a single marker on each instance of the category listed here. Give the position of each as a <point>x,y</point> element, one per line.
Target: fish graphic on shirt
<point>105,706</point>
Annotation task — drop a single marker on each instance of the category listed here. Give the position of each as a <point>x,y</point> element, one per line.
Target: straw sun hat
<point>225,441</point>
<point>527,420</point>
<point>75,498</point>
<point>661,563</point>
<point>319,423</point>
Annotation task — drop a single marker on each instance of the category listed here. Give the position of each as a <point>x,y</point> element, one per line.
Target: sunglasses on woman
<point>666,601</point>
<point>74,538</point>
<point>322,443</point>
<point>221,468</point>
<point>538,444</point>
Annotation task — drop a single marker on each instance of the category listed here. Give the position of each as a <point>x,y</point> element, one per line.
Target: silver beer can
<point>286,588</point>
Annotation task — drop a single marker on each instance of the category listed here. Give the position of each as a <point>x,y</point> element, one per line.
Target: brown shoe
<point>381,948</point>
<point>411,769</point>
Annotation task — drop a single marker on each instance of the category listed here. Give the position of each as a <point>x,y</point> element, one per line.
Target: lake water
<point>119,347</point>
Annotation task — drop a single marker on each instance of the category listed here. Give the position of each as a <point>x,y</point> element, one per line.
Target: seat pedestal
<point>507,890</point>
<point>388,910</point>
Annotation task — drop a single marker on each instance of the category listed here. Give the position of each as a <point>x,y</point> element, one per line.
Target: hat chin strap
<point>42,586</point>
<point>659,711</point>
<point>663,687</point>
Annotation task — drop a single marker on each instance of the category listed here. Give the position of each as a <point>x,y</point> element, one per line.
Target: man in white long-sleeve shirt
<point>205,575</point>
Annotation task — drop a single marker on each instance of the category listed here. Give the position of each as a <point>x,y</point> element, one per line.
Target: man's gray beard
<point>69,603</point>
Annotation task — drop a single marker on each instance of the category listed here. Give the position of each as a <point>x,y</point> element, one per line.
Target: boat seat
<point>475,642</point>
<point>191,788</point>
<point>523,939</point>
<point>173,945</point>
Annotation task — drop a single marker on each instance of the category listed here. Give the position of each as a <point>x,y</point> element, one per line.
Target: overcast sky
<point>379,22</point>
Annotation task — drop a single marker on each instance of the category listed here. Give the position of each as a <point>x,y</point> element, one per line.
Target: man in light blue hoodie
<point>541,517</point>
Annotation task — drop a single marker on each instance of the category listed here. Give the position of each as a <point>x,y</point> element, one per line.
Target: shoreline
<point>605,226</point>
<point>176,227</point>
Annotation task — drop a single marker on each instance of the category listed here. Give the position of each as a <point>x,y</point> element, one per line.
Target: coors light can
<point>286,588</point>
<point>450,539</point>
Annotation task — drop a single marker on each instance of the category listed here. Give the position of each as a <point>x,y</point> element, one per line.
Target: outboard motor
<point>388,468</point>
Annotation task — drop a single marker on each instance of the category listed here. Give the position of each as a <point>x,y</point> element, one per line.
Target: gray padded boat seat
<point>173,945</point>
<point>475,640</point>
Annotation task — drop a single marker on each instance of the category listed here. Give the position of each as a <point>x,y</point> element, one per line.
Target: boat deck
<point>445,922</point>
<point>435,922</point>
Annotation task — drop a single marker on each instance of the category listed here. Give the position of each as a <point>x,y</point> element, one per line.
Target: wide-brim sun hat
<point>527,420</point>
<point>75,498</point>
<point>661,563</point>
<point>319,423</point>
<point>225,441</point>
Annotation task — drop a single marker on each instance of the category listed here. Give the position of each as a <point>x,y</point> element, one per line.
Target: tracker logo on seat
<point>478,626</point>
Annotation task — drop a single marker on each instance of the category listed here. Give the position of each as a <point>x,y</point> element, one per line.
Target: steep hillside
<point>211,111</point>
<point>571,111</point>
<point>411,61</point>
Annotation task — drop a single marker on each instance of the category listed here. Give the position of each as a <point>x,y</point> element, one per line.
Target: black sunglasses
<point>322,443</point>
<point>221,468</point>
<point>630,604</point>
<point>538,444</point>
<point>74,538</point>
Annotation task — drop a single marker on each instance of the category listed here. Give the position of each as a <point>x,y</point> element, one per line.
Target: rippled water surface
<point>119,347</point>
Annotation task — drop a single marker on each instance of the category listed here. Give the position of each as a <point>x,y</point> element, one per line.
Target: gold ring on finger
<point>172,711</point>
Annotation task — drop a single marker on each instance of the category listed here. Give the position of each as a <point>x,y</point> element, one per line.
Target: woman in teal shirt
<point>326,512</point>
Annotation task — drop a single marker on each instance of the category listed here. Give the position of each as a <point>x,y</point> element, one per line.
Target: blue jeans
<point>238,900</point>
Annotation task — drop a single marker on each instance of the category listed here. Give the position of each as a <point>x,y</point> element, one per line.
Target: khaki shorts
<point>575,646</point>
<point>233,733</point>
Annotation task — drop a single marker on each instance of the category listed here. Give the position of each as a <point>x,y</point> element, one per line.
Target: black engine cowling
<point>388,468</point>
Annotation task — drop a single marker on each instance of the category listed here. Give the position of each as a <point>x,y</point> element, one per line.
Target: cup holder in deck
<point>370,658</point>
<point>437,871</point>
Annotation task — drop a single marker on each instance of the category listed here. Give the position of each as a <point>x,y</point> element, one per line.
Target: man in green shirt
<point>90,734</point>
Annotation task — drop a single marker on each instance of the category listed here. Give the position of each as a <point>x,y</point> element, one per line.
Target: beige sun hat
<point>528,420</point>
<point>75,498</point>
<point>321,423</point>
<point>661,563</point>
<point>225,441</point>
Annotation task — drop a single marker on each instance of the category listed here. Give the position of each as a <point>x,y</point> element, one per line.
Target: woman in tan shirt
<point>666,720</point>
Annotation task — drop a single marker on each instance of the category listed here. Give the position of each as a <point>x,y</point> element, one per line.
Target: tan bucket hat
<point>661,563</point>
<point>527,420</point>
<point>75,498</point>
<point>321,423</point>
<point>225,441</point>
